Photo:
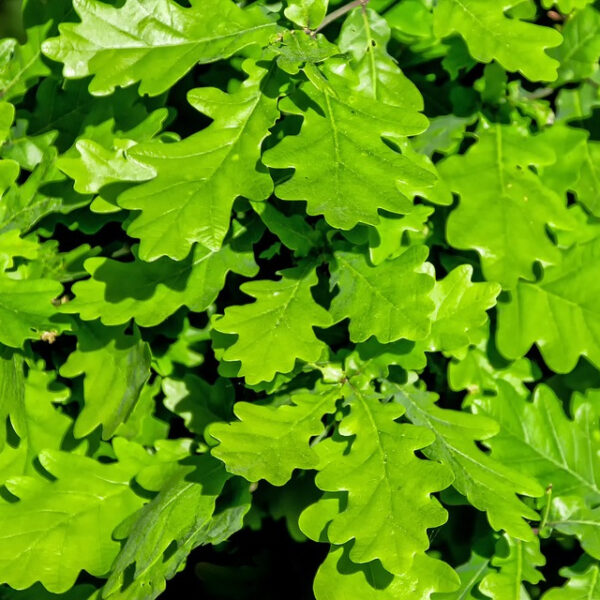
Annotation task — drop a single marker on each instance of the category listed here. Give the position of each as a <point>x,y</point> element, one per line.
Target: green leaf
<point>201,176</point>
<point>12,246</point>
<point>338,578</point>
<point>578,102</point>
<point>504,208</point>
<point>388,238</point>
<point>299,47</point>
<point>583,583</point>
<point>26,309</point>
<point>12,392</point>
<point>460,307</point>
<point>64,526</point>
<point>182,514</point>
<point>293,231</point>
<point>371,360</point>
<point>587,186</point>
<point>366,35</point>
<point>21,64</point>
<point>42,426</point>
<point>389,503</point>
<point>155,42</point>
<point>476,371</point>
<point>115,367</point>
<point>571,148</point>
<point>339,154</point>
<point>490,34</point>
<point>544,443</point>
<point>578,54</point>
<point>9,169</point>
<point>270,441</point>
<point>277,329</point>
<point>306,13</point>
<point>7,116</point>
<point>559,313</point>
<point>97,166</point>
<point>571,516</point>
<point>150,292</point>
<point>45,191</point>
<point>197,402</point>
<point>488,482</point>
<point>142,426</point>
<point>471,573</point>
<point>517,561</point>
<point>389,301</point>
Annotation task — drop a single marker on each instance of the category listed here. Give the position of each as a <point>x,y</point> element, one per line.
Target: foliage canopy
<point>310,265</point>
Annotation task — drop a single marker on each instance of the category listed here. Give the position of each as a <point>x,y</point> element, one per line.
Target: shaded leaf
<point>488,482</point>
<point>115,366</point>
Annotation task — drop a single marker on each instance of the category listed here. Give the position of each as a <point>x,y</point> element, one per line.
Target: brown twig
<point>340,12</point>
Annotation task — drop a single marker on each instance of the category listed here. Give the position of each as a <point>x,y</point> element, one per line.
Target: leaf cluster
<point>300,278</point>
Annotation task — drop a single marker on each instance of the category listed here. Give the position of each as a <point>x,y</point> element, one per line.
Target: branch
<point>340,12</point>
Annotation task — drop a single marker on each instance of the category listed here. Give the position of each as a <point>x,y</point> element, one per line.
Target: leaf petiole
<point>340,12</point>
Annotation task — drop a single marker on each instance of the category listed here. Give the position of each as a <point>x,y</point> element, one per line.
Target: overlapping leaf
<point>43,426</point>
<point>197,402</point>
<point>154,42</point>
<point>517,562</point>
<point>339,578</point>
<point>491,34</point>
<point>389,506</point>
<point>470,573</point>
<point>26,309</point>
<point>538,437</point>
<point>269,442</point>
<point>115,366</point>
<point>64,526</point>
<point>21,64</point>
<point>339,155</point>
<point>150,292</point>
<point>277,329</point>
<point>12,392</point>
<point>460,307</point>
<point>306,13</point>
<point>198,178</point>
<point>183,515</point>
<point>487,481</point>
<point>583,583</point>
<point>120,452</point>
<point>365,35</point>
<point>559,313</point>
<point>579,52</point>
<point>571,516</point>
<point>504,208</point>
<point>389,301</point>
